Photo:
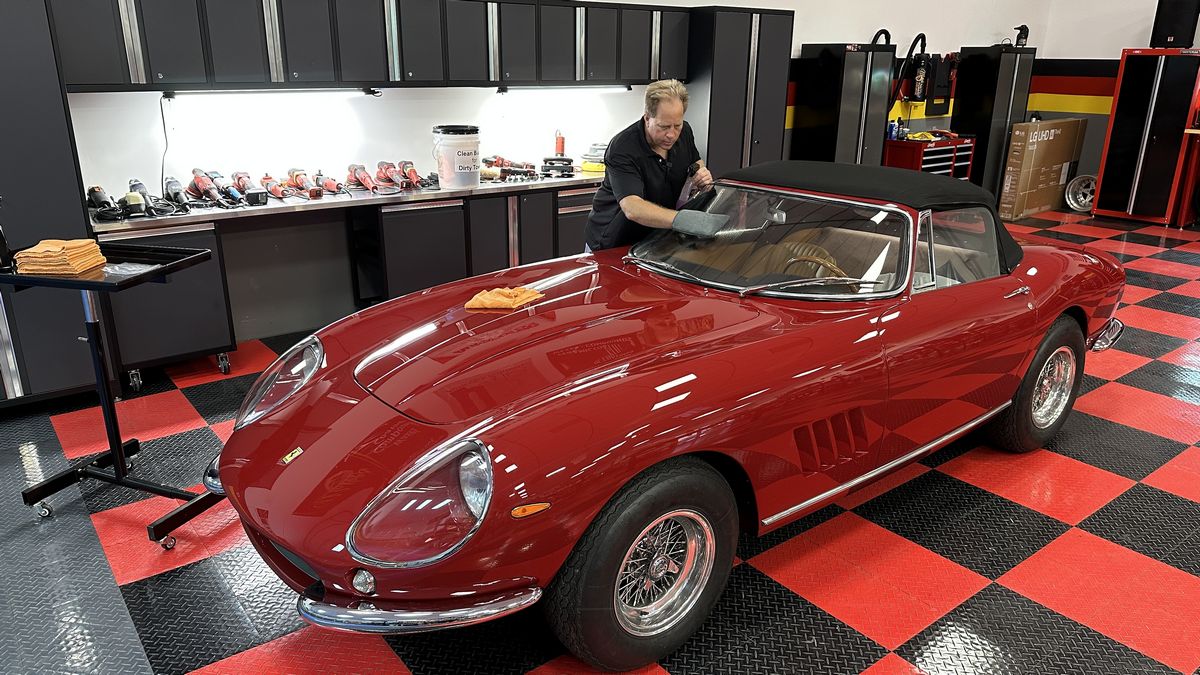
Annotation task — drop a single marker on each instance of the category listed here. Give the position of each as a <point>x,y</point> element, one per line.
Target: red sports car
<point>418,465</point>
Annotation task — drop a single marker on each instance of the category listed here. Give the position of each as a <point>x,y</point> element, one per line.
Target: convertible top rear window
<point>774,239</point>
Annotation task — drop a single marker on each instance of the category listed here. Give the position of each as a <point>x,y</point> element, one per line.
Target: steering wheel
<point>823,262</point>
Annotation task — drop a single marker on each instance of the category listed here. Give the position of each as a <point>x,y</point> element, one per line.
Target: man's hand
<point>703,178</point>
<point>699,223</point>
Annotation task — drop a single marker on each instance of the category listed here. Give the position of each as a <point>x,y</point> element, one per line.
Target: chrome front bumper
<point>1107,335</point>
<point>412,621</point>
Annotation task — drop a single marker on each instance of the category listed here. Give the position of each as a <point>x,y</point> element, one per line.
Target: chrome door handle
<point>1019,291</point>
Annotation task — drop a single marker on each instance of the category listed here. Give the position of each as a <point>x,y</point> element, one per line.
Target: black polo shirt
<point>631,167</point>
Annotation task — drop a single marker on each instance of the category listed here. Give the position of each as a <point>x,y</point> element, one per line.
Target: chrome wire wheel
<point>1053,389</point>
<point>664,573</point>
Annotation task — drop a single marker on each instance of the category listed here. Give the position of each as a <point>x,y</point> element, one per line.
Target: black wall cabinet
<point>537,226</point>
<point>423,246</point>
<point>488,221</point>
<point>307,40</point>
<point>91,45</point>
<point>601,42</point>
<point>673,46</point>
<point>156,323</point>
<point>518,42</point>
<point>238,41</point>
<point>362,41</point>
<point>421,40</point>
<point>556,37</point>
<point>466,42</point>
<point>635,44</point>
<point>171,35</point>
<point>770,88</point>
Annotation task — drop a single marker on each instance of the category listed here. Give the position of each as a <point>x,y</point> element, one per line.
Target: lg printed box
<point>1042,158</point>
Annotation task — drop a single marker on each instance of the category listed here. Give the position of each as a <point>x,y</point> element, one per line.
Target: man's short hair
<point>661,90</point>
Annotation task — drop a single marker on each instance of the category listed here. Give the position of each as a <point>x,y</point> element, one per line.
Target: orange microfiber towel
<point>60,257</point>
<point>503,298</point>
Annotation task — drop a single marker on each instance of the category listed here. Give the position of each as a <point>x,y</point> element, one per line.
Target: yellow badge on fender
<point>287,459</point>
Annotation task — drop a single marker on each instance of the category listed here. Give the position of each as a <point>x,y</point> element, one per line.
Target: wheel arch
<point>739,481</point>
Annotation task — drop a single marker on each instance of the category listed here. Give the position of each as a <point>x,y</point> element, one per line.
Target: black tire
<point>580,603</point>
<point>1014,429</point>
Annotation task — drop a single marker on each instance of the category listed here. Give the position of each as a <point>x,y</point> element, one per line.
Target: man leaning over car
<point>646,166</point>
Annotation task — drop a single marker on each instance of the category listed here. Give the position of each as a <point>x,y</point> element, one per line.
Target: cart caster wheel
<point>167,542</point>
<point>223,363</point>
<point>44,510</point>
<point>135,380</point>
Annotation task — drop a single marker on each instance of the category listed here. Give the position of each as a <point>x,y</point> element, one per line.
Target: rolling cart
<point>128,265</point>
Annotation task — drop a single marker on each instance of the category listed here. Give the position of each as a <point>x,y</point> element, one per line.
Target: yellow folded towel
<point>69,257</point>
<point>503,298</point>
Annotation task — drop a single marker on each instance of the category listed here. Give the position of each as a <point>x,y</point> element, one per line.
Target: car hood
<point>445,364</point>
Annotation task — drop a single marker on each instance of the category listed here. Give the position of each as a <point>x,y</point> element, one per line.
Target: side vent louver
<point>825,443</point>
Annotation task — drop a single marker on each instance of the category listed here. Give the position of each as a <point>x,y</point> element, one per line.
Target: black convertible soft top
<point>898,186</point>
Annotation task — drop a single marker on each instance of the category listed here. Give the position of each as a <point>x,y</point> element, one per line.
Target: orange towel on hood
<point>503,298</point>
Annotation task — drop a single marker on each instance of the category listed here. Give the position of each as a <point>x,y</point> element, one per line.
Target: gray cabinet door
<point>174,51</point>
<point>307,41</point>
<point>518,43</point>
<point>537,227</point>
<point>673,46</point>
<point>421,40</point>
<point>91,47</point>
<point>423,247</point>
<point>488,220</point>
<point>362,42</point>
<point>730,70</point>
<point>44,323</point>
<point>467,42</point>
<point>635,45</point>
<point>601,63</point>
<point>571,232</point>
<point>556,36</point>
<point>770,88</point>
<point>188,315</point>
<point>237,40</point>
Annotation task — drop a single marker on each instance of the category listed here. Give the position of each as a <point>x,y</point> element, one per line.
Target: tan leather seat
<point>774,259</point>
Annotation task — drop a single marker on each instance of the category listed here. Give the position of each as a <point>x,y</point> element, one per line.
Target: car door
<point>955,346</point>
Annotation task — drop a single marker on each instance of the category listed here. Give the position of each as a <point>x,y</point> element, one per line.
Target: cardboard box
<point>1042,158</point>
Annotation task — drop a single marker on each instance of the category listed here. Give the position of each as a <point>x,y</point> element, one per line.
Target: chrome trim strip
<point>392,25</point>
<point>577,192</point>
<point>849,485</point>
<point>751,79</point>
<point>493,29</point>
<point>141,234</point>
<point>514,232</point>
<point>862,116</point>
<point>274,42</point>
<point>574,209</point>
<point>655,44</point>
<point>412,621</point>
<point>10,372</point>
<point>581,45</point>
<point>132,35</point>
<point>1108,335</point>
<point>421,206</point>
<point>1141,159</point>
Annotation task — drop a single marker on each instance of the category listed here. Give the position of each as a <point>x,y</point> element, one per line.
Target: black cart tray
<point>160,261</point>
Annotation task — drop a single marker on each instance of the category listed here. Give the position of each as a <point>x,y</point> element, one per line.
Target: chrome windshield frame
<point>905,252</point>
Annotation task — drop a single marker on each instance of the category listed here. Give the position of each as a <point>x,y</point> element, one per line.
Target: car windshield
<point>791,245</point>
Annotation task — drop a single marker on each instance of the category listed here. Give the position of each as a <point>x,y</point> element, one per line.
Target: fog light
<point>363,582</point>
<point>212,478</point>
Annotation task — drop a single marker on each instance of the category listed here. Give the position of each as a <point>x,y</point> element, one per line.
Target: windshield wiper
<point>658,265</point>
<point>807,282</point>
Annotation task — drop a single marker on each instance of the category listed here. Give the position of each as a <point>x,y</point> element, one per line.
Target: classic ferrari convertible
<point>418,465</point>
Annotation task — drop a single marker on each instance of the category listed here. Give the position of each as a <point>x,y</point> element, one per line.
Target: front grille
<point>296,561</point>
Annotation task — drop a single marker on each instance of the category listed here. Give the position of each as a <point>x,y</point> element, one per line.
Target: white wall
<point>1092,29</point>
<point>120,135</point>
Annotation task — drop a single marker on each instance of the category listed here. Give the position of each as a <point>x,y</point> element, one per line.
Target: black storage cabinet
<point>424,244</point>
<point>171,40</point>
<point>307,29</point>
<point>91,45</point>
<point>557,45</point>
<point>570,226</point>
<point>635,44</point>
<point>487,220</point>
<point>536,218</point>
<point>421,30</point>
<point>237,41</point>
<point>362,41</point>
<point>467,42</point>
<point>186,317</point>
<point>518,42</point>
<point>842,96</point>
<point>600,44</point>
<point>991,93</point>
<point>672,46</point>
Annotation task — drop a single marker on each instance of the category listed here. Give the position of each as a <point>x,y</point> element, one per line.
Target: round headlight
<point>475,480</point>
<point>212,477</point>
<point>281,379</point>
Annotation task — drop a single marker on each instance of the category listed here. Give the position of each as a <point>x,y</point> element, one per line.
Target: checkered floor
<point>1082,557</point>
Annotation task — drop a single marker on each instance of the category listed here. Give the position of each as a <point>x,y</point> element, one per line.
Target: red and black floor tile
<point>1080,557</point>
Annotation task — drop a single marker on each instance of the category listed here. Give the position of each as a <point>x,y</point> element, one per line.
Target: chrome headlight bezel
<point>470,454</point>
<point>308,356</point>
<point>212,477</point>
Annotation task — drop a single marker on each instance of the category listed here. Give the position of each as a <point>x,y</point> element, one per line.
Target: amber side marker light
<point>526,510</point>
